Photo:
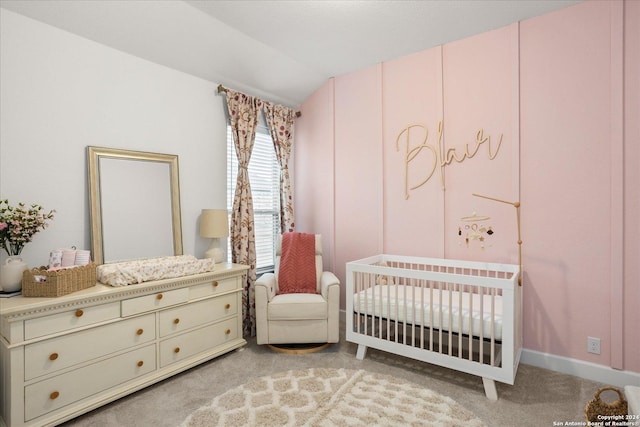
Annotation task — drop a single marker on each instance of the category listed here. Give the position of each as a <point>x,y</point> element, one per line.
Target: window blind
<point>264,176</point>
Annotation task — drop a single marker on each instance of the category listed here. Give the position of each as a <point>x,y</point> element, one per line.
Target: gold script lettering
<point>440,157</point>
<point>412,152</point>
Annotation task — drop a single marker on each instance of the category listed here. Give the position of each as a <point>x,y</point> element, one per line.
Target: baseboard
<point>579,368</point>
<point>575,367</point>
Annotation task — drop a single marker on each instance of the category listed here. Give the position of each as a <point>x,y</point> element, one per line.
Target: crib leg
<point>362,352</point>
<point>490,388</point>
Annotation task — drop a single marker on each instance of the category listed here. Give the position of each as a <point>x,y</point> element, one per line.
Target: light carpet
<point>331,397</point>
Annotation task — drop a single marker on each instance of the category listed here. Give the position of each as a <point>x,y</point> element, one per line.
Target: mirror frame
<point>94,154</point>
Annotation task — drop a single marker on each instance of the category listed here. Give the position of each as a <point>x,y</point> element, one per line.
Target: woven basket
<point>38,282</point>
<point>598,407</point>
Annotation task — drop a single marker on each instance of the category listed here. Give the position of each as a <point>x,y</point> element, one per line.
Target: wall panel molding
<point>617,183</point>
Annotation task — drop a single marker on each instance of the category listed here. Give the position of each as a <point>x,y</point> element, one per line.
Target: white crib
<point>461,315</point>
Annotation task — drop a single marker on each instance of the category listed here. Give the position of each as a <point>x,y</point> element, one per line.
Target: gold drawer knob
<point>140,331</point>
<point>140,363</point>
<point>53,356</point>
<point>215,284</point>
<point>79,313</point>
<point>176,320</point>
<point>228,331</point>
<point>159,296</point>
<point>176,350</point>
<point>228,306</point>
<point>54,395</point>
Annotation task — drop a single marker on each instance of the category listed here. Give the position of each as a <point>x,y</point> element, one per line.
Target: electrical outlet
<point>593,345</point>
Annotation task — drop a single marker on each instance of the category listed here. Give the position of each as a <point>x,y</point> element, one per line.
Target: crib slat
<point>404,310</point>
<point>365,287</point>
<point>460,321</point>
<point>413,312</point>
<point>396,308</point>
<point>471,331</point>
<point>357,278</point>
<point>430,316</point>
<point>440,317</point>
<point>493,337</point>
<point>450,333</point>
<point>369,320</point>
<point>481,340</point>
<point>380,317</point>
<point>388,289</point>
<point>422,321</point>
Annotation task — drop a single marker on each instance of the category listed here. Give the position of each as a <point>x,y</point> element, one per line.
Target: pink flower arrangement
<point>18,225</point>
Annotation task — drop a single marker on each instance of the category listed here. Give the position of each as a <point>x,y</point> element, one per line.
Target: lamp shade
<point>214,223</point>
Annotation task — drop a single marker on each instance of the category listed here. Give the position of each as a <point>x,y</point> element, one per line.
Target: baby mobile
<point>474,231</point>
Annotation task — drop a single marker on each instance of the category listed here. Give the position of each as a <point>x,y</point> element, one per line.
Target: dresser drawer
<point>191,343</point>
<point>215,287</point>
<point>156,301</point>
<point>53,393</point>
<point>62,352</point>
<point>199,313</point>
<point>84,316</point>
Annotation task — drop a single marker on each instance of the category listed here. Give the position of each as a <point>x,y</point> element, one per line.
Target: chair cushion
<point>297,307</point>
<point>297,272</point>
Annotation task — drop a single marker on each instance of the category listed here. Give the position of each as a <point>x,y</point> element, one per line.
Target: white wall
<point>60,93</point>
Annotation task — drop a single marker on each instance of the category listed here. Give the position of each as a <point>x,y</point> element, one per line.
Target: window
<point>264,175</point>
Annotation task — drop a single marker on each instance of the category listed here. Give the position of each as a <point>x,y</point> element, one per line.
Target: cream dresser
<point>61,357</point>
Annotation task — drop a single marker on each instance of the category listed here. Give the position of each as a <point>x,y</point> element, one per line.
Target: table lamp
<point>214,224</point>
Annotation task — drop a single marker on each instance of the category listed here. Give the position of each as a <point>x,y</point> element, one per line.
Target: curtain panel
<point>280,120</point>
<point>243,116</point>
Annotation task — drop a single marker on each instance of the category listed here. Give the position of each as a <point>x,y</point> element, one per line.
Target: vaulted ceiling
<point>279,50</point>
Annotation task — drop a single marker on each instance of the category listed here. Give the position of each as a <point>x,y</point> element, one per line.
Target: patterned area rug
<point>331,397</point>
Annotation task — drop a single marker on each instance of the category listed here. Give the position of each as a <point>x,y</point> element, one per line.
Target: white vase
<point>11,274</point>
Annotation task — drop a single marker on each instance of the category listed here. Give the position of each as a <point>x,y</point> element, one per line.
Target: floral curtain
<point>280,120</point>
<point>243,115</point>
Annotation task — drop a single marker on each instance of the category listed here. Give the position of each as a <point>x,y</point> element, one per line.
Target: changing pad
<point>132,272</point>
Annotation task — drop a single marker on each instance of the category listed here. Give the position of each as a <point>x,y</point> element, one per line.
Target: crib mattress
<point>445,310</point>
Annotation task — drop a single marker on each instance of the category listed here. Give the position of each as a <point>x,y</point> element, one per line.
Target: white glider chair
<point>298,318</point>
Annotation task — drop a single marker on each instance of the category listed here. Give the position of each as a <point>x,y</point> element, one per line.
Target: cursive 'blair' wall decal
<point>440,158</point>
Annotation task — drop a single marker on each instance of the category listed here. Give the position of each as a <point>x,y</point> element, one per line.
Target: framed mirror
<point>134,204</point>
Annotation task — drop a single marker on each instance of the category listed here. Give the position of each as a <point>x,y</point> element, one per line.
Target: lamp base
<point>215,253</point>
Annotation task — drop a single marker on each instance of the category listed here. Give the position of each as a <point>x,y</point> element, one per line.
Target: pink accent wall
<point>616,184</point>
<point>412,94</point>
<point>358,166</point>
<point>563,90</point>
<point>478,86</point>
<point>631,291</point>
<point>565,104</point>
<point>313,174</point>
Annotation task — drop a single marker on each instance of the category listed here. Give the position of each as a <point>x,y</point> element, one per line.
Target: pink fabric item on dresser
<point>297,273</point>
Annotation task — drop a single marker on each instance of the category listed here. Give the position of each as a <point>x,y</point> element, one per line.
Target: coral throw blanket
<point>297,273</point>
